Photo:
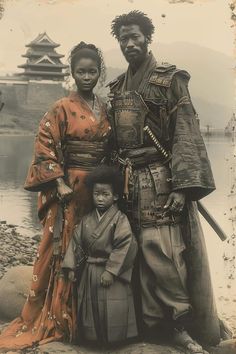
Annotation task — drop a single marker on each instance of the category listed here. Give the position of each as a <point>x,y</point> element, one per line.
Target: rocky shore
<point>15,249</point>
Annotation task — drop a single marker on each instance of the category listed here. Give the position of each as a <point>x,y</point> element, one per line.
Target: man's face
<point>133,43</point>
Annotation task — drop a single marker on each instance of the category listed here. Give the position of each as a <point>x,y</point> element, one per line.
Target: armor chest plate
<point>129,119</point>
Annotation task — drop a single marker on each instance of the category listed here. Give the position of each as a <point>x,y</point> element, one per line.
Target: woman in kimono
<point>104,242</point>
<point>72,140</point>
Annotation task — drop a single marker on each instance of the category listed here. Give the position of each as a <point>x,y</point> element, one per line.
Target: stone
<point>57,347</point>
<point>226,347</point>
<point>37,237</point>
<point>14,287</point>
<point>135,348</point>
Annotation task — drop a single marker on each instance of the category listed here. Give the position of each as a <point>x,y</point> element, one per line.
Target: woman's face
<point>86,74</point>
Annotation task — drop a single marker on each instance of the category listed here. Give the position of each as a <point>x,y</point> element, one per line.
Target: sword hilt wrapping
<point>157,144</point>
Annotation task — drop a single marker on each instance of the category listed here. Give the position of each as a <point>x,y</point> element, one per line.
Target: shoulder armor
<point>163,74</point>
<point>116,81</point>
<point>164,67</point>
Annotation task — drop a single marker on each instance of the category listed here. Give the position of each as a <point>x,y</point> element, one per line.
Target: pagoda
<point>43,62</point>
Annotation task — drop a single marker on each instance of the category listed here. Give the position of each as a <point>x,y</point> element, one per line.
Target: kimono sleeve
<point>47,164</point>
<point>124,250</point>
<point>71,255</point>
<point>190,166</point>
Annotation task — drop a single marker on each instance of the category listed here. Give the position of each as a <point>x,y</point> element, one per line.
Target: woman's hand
<point>107,279</point>
<point>175,202</point>
<point>64,192</point>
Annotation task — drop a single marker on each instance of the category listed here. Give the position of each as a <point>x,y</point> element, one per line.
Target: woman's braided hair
<point>97,55</point>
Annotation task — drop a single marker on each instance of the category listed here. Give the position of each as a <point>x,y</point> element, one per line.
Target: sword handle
<point>157,144</point>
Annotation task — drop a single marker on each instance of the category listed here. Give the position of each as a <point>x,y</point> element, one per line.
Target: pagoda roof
<point>35,53</point>
<point>44,73</point>
<point>33,65</point>
<point>44,61</point>
<point>43,40</point>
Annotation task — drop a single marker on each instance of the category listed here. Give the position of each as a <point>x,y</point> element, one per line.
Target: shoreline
<point>16,133</point>
<point>15,248</point>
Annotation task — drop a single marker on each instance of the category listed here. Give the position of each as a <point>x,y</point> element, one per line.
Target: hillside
<point>212,79</point>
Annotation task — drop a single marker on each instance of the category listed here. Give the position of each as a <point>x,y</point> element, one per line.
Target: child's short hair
<point>106,175</point>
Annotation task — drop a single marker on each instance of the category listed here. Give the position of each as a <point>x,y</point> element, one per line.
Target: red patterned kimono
<point>50,310</point>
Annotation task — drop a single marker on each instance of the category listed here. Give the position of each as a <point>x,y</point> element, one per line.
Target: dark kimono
<point>104,314</point>
<point>168,279</point>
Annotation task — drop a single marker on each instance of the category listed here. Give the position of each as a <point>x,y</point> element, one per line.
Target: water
<point>18,206</point>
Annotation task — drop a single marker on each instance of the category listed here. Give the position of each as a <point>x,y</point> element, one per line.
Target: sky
<point>203,22</point>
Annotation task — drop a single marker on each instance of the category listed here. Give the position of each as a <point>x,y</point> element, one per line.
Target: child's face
<point>103,196</point>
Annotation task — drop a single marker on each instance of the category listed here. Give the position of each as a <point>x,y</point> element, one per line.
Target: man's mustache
<point>127,51</point>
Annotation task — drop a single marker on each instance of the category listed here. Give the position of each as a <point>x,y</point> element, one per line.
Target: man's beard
<point>141,55</point>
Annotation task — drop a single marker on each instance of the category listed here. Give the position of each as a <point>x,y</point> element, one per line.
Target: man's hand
<point>175,202</point>
<point>64,192</point>
<point>71,275</point>
<point>107,279</point>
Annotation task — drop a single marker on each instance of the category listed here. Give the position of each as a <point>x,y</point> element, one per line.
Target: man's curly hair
<point>133,18</point>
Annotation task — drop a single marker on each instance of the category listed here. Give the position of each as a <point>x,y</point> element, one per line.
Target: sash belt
<point>84,154</point>
<point>96,260</point>
<point>141,157</point>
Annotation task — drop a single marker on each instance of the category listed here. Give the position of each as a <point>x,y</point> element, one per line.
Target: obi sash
<point>84,154</point>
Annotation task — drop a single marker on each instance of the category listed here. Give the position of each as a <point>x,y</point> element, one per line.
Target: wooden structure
<point>43,62</point>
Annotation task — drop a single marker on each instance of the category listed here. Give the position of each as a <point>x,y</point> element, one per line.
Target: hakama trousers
<point>163,274</point>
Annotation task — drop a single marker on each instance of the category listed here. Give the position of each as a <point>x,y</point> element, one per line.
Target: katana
<point>203,211</point>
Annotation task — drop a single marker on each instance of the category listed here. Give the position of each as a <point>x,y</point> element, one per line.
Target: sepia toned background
<point>195,35</point>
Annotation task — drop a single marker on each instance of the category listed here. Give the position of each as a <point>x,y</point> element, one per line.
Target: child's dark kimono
<point>104,313</point>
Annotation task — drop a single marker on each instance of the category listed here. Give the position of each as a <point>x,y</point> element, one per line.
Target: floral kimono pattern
<point>50,310</point>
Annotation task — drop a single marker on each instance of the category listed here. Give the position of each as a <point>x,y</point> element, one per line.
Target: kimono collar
<point>99,216</point>
<point>98,106</point>
<point>133,81</point>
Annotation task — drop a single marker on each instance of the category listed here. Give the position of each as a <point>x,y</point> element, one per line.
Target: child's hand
<point>107,279</point>
<point>71,275</point>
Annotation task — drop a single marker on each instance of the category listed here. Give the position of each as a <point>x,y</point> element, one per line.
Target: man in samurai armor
<point>166,167</point>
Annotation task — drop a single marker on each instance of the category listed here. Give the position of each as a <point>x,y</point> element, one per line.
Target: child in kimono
<point>104,238</point>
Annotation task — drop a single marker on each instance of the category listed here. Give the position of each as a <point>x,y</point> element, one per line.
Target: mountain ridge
<point>212,78</point>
